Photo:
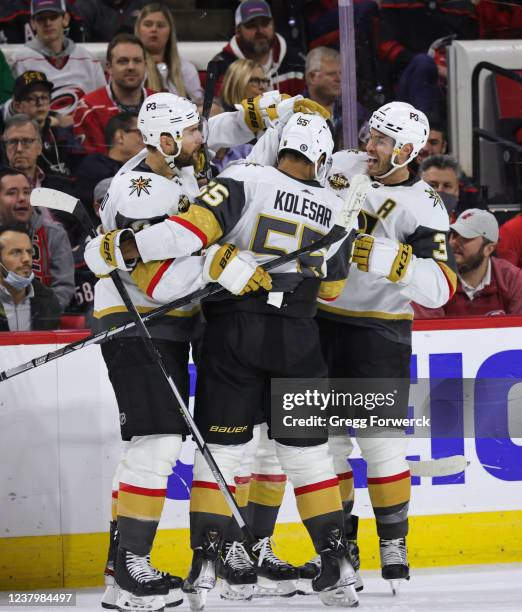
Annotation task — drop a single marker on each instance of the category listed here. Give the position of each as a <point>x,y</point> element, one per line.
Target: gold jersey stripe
<point>99,314</point>
<point>390,493</point>
<point>373,314</point>
<point>141,507</point>
<point>319,502</point>
<point>204,220</point>
<point>346,488</point>
<point>210,501</point>
<point>242,494</point>
<point>266,493</point>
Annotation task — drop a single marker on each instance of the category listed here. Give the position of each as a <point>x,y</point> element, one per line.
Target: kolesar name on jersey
<point>293,203</point>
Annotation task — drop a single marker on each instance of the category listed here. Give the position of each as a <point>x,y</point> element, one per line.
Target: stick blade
<point>51,198</point>
<point>445,466</point>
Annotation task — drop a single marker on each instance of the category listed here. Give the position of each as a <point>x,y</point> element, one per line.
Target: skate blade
<point>173,598</point>
<point>359,584</point>
<point>304,587</point>
<point>274,588</point>
<point>395,584</point>
<point>344,596</point>
<point>197,599</point>
<point>127,602</point>
<point>110,597</point>
<point>236,592</point>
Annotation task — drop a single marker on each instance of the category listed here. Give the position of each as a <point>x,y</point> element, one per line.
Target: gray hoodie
<point>53,262</point>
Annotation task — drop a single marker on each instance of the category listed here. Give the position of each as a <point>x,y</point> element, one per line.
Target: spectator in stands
<point>6,80</point>
<point>72,69</point>
<point>486,285</point>
<point>437,143</point>
<point>124,141</point>
<point>103,19</point>
<point>166,70</point>
<point>125,92</point>
<point>15,22</point>
<point>442,172</point>
<point>32,97</point>
<point>407,30</point>
<point>510,245</point>
<point>323,85</point>
<point>25,304</point>
<point>243,79</point>
<point>257,40</point>
<point>52,258</point>
<point>501,19</point>
<point>83,300</point>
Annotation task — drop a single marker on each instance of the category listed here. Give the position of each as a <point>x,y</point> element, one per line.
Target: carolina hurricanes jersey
<point>411,213</point>
<point>262,210</point>
<point>137,199</point>
<point>81,74</point>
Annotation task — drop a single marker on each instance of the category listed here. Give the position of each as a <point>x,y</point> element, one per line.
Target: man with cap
<point>256,39</point>
<point>71,68</point>
<point>32,97</point>
<point>487,285</point>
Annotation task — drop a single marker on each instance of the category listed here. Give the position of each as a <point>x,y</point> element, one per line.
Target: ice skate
<point>353,551</point>
<point>307,573</point>
<point>237,572</point>
<point>275,577</point>
<point>202,573</point>
<point>335,583</point>
<point>394,562</point>
<point>174,583</point>
<point>140,586</point>
<point>111,588</point>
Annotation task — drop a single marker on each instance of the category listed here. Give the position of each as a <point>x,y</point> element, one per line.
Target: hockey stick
<point>445,466</point>
<point>208,98</point>
<point>345,223</point>
<point>61,201</point>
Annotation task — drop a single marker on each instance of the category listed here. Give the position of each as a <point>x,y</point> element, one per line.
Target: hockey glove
<point>237,271</point>
<point>103,254</point>
<point>384,257</point>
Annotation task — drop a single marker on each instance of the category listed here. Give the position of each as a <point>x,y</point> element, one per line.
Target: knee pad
<point>340,448</point>
<point>148,460</point>
<point>227,457</point>
<point>384,456</point>
<point>305,465</point>
<point>265,460</point>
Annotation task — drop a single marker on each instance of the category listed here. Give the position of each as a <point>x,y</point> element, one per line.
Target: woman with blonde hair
<point>166,70</point>
<point>244,78</point>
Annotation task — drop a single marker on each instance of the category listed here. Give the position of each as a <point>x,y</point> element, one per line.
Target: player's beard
<point>472,263</point>
<point>184,159</point>
<point>257,47</point>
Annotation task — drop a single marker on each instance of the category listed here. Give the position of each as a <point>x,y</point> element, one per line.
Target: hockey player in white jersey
<point>158,184</point>
<point>257,212</point>
<point>400,256</point>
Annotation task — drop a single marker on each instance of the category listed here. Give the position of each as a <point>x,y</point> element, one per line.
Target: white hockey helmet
<point>309,135</point>
<point>405,124</point>
<point>166,113</point>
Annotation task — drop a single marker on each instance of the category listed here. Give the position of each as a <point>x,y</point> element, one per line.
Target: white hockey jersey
<point>411,213</point>
<point>79,75</point>
<point>265,211</point>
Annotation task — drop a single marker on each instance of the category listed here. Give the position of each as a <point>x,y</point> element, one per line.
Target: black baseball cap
<point>27,81</point>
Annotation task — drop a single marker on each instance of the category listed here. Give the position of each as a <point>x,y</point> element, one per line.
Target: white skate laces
<point>393,552</point>
<point>264,547</point>
<point>237,557</point>
<point>139,568</point>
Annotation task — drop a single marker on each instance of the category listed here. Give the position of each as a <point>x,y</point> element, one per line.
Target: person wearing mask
<point>166,70</point>
<point>25,304</point>
<point>72,69</point>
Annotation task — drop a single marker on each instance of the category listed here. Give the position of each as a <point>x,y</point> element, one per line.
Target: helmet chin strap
<point>171,159</point>
<point>394,166</point>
